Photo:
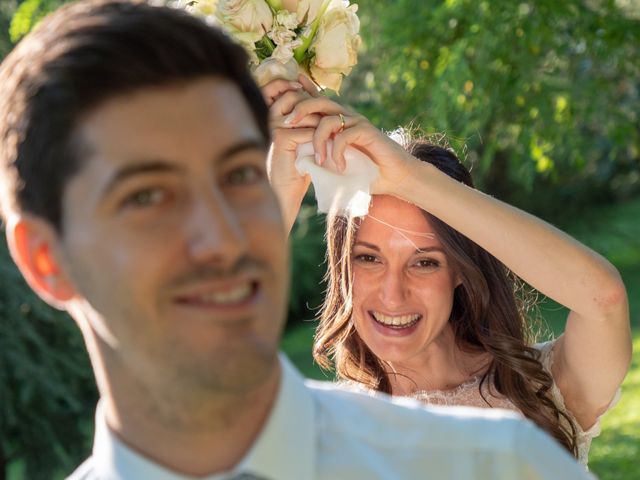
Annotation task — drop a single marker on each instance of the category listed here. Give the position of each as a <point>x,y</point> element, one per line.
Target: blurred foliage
<point>541,98</point>
<point>307,259</point>
<point>28,15</point>
<point>47,390</point>
<point>46,384</point>
<point>7,8</point>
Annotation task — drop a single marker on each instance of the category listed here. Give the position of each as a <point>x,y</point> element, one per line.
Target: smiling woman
<point>416,308</point>
<point>421,292</point>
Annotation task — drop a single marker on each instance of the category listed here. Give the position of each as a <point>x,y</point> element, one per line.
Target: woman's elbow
<point>611,297</point>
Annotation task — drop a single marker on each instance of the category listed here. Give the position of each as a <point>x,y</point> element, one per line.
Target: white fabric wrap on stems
<point>346,193</point>
<point>272,68</point>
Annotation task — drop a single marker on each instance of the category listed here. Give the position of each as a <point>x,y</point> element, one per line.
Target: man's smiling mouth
<point>239,294</point>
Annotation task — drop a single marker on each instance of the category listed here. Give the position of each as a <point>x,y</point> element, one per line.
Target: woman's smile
<point>395,326</point>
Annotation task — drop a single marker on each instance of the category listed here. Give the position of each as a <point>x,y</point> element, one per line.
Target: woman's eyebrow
<point>368,245</point>
<point>430,249</point>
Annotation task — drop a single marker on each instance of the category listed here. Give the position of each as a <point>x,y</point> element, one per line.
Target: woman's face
<point>402,282</point>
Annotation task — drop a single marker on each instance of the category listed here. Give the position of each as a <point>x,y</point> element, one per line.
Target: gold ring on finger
<point>342,123</point>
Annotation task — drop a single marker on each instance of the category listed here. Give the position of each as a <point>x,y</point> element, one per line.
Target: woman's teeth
<point>398,321</point>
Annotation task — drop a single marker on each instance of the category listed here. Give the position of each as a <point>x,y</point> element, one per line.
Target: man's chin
<point>231,370</point>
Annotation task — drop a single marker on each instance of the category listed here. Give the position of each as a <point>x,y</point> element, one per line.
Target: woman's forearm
<point>543,256</point>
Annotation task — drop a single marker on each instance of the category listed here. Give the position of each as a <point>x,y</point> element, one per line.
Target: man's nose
<point>216,231</point>
<point>393,289</point>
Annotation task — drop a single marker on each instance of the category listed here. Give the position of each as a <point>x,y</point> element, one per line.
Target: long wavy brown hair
<point>487,315</point>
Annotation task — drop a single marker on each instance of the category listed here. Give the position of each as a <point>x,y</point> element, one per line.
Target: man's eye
<point>146,198</point>
<point>245,175</point>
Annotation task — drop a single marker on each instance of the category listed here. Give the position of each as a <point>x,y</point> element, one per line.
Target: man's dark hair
<point>80,56</point>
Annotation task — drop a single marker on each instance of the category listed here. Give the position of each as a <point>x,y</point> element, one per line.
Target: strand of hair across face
<point>403,231</point>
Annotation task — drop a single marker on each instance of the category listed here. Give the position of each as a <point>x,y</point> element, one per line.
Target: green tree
<point>543,95</point>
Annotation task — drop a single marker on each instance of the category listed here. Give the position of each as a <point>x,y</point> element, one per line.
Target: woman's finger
<point>327,127</point>
<point>288,139</point>
<point>286,102</point>
<point>310,87</point>
<point>359,135</point>
<point>321,105</point>
<point>310,121</point>
<point>274,89</point>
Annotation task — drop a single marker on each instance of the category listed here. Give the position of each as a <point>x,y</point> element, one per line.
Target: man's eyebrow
<point>139,167</point>
<point>242,146</point>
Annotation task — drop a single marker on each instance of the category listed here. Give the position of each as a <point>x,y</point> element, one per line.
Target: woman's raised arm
<point>592,356</point>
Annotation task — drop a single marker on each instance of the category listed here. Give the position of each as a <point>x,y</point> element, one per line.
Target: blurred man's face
<point>173,238</point>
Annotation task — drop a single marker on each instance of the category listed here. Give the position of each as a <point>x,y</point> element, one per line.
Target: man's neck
<point>213,437</point>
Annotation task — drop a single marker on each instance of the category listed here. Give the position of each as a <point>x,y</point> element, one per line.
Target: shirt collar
<point>284,450</point>
<point>286,447</point>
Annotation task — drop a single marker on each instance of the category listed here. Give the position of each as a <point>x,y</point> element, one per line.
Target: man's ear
<point>32,242</point>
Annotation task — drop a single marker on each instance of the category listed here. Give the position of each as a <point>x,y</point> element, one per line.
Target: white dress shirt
<point>320,431</point>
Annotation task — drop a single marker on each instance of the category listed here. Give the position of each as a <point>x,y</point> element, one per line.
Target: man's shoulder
<point>84,472</point>
<point>372,417</point>
<point>377,433</point>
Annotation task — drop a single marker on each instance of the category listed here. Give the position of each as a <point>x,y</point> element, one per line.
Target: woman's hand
<point>282,95</point>
<point>290,187</point>
<point>346,127</point>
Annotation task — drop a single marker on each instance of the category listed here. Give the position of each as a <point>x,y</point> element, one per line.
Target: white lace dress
<point>468,394</point>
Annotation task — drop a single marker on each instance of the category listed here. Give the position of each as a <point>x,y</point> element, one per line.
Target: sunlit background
<point>540,98</point>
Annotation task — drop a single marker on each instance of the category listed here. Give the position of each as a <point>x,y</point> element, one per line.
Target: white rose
<point>248,41</point>
<point>206,9</point>
<point>246,16</point>
<point>203,8</point>
<point>307,10</point>
<point>335,46</point>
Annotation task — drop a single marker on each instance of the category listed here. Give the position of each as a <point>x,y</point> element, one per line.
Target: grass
<point>614,232</point>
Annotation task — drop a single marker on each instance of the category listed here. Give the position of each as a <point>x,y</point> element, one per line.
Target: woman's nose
<point>393,289</point>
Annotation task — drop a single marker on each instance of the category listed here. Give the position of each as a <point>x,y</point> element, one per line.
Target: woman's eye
<point>245,175</point>
<point>364,258</point>
<point>428,263</point>
<point>146,198</point>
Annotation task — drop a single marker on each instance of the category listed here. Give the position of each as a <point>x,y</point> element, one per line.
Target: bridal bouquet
<point>320,39</point>
<point>283,37</point>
